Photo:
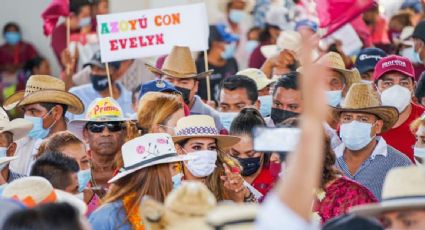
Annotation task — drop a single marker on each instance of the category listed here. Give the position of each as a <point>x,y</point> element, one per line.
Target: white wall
<point>27,14</point>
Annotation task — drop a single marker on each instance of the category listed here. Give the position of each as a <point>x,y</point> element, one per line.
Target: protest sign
<point>152,32</point>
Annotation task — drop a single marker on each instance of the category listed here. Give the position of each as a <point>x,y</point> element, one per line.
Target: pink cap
<point>393,63</point>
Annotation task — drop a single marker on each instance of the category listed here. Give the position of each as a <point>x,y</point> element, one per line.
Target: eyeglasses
<point>99,127</point>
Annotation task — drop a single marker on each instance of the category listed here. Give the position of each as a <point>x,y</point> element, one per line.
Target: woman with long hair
<point>198,136</point>
<point>147,171</point>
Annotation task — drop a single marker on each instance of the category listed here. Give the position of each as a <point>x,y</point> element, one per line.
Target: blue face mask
<point>417,58</point>
<point>84,177</point>
<point>236,16</point>
<point>334,97</point>
<point>85,22</point>
<point>3,153</point>
<point>251,45</point>
<point>177,180</point>
<point>12,38</point>
<point>229,51</point>
<point>266,105</point>
<point>227,118</point>
<point>37,131</point>
<point>356,135</point>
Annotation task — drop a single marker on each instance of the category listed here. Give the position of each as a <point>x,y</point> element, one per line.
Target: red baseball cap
<point>393,63</point>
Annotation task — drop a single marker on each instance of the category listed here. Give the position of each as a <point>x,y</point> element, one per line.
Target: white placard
<point>351,42</point>
<point>152,32</point>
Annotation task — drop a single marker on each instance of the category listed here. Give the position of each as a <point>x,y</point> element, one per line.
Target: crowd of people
<point>151,147</point>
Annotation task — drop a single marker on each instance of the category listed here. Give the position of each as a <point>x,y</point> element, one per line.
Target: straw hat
<point>184,208</point>
<point>34,190</point>
<point>44,88</point>
<point>100,110</point>
<point>222,5</point>
<point>18,127</point>
<point>361,98</point>
<point>231,216</point>
<point>404,189</point>
<point>258,76</point>
<point>179,64</point>
<point>334,61</point>
<point>202,126</point>
<point>147,150</point>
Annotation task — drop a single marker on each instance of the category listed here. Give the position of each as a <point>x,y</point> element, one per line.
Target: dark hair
<point>245,121</point>
<point>76,5</point>
<point>31,64</point>
<point>420,87</point>
<point>330,172</point>
<point>10,25</point>
<point>287,81</point>
<point>265,35</point>
<point>135,93</point>
<point>59,216</point>
<point>49,106</point>
<point>239,81</point>
<point>9,136</point>
<point>56,168</point>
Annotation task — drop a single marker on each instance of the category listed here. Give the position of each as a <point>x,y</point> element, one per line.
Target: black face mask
<point>279,115</point>
<point>249,165</point>
<point>99,82</point>
<point>185,94</point>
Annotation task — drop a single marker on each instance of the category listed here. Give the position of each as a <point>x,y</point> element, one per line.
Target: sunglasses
<point>99,127</point>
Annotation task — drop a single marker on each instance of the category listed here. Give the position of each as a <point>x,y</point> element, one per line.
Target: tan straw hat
<point>361,98</point>
<point>258,76</point>
<point>404,189</point>
<point>47,89</point>
<point>34,190</point>
<point>179,64</point>
<point>202,126</point>
<point>18,127</point>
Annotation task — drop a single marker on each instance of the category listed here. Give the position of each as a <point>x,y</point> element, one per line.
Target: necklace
<point>133,214</point>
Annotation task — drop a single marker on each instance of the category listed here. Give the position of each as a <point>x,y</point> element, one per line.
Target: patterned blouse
<point>340,196</point>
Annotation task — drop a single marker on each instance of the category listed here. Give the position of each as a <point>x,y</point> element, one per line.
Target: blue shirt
<point>87,95</point>
<point>110,216</point>
<point>372,172</point>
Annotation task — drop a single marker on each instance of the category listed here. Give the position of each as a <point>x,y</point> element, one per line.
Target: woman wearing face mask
<point>258,170</point>
<point>418,129</point>
<point>159,113</point>
<point>198,136</point>
<point>147,171</point>
<point>67,143</point>
<point>15,52</point>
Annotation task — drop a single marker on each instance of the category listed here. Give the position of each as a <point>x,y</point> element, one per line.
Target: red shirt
<point>16,55</point>
<point>266,180</point>
<point>401,138</point>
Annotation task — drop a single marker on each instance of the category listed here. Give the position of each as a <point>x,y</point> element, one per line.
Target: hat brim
<point>7,159</point>
<point>388,114</point>
<point>269,51</point>
<point>172,159</point>
<point>75,105</point>
<point>198,76</point>
<point>78,204</point>
<point>387,206</point>
<point>223,141</point>
<point>18,127</point>
<point>395,70</point>
<point>77,126</point>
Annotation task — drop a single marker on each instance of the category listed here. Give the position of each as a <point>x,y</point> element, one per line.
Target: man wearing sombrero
<point>402,206</point>
<point>44,103</point>
<point>179,68</point>
<point>363,156</point>
<point>10,131</point>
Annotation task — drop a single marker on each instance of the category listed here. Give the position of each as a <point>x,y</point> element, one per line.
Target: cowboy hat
<point>404,189</point>
<point>145,151</point>
<point>202,126</point>
<point>6,160</point>
<point>18,127</point>
<point>361,98</point>
<point>34,190</point>
<point>179,64</point>
<point>47,89</point>
<point>184,208</point>
<point>222,5</point>
<point>100,110</point>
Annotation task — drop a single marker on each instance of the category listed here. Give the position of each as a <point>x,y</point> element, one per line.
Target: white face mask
<point>396,96</point>
<point>334,97</point>
<point>203,164</point>
<point>419,153</point>
<point>356,135</point>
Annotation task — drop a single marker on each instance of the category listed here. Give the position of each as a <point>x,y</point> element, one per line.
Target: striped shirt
<point>372,172</point>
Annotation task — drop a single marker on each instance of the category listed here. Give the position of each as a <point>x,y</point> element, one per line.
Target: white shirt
<point>275,215</point>
<point>26,150</point>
